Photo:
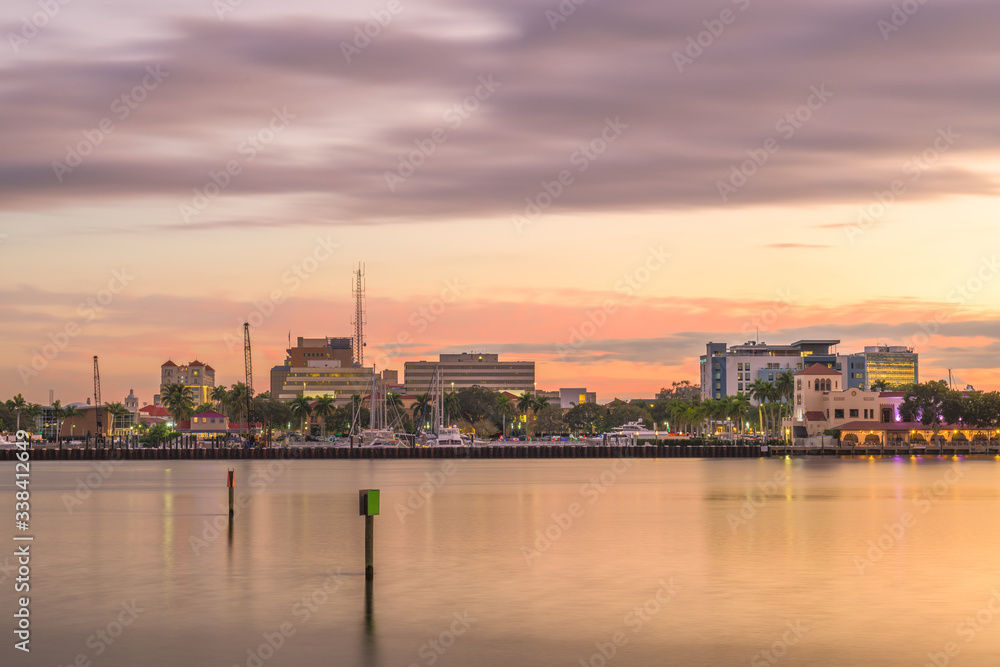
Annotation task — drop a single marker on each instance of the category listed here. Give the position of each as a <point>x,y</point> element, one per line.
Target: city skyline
<point>597,190</point>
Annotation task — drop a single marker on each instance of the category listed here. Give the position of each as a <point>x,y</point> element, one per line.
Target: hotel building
<point>196,376</point>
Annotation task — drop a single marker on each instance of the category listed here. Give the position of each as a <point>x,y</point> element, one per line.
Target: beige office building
<point>470,369</point>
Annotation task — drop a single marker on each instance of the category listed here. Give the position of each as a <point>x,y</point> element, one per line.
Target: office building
<point>895,365</point>
<point>311,349</point>
<point>470,369</point>
<point>726,371</point>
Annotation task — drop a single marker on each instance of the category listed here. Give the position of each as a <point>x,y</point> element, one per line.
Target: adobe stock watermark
<point>770,315</point>
<point>223,7</point>
<point>121,108</point>
<point>302,610</point>
<point>698,44</point>
<point>591,491</point>
<point>963,292</point>
<point>968,629</point>
<point>893,533</point>
<point>635,621</point>
<point>247,150</point>
<point>779,648</point>
<point>258,480</point>
<point>31,26</point>
<point>292,278</point>
<point>421,319</point>
<point>786,127</point>
<point>581,159</point>
<point>762,493</point>
<point>913,169</point>
<point>562,12</point>
<point>86,486</point>
<point>366,33</point>
<point>432,650</point>
<point>630,284</point>
<point>102,639</point>
<point>454,116</point>
<point>416,498</point>
<point>87,311</point>
<point>899,17</point>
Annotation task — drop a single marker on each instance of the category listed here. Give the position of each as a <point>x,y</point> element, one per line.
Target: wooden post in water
<point>369,506</point>
<point>232,489</point>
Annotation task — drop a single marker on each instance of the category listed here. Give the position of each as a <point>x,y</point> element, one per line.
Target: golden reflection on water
<point>871,561</point>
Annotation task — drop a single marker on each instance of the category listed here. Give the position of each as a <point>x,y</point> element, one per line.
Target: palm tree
<point>177,398</point>
<point>221,398</point>
<point>877,385</point>
<point>524,404</point>
<point>325,408</point>
<point>70,412</point>
<point>238,401</point>
<point>420,406</point>
<point>204,407</point>
<point>452,405</point>
<point>17,404</point>
<point>539,404</point>
<point>57,413</point>
<point>32,412</point>
<point>301,408</point>
<point>393,401</point>
<point>740,406</point>
<point>760,391</point>
<point>117,411</point>
<point>505,408</point>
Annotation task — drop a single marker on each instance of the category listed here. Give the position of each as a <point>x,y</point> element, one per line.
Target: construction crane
<point>359,316</point>
<point>249,381</point>
<point>97,398</point>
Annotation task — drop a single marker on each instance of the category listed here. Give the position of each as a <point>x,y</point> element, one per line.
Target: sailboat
<point>381,432</point>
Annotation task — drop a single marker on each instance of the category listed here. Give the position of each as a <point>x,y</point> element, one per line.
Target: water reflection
<point>602,553</point>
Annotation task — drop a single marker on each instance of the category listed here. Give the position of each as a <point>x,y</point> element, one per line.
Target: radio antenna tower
<point>359,321</point>
<point>97,397</point>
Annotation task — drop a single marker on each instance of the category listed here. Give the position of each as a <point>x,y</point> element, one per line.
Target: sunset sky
<point>675,172</point>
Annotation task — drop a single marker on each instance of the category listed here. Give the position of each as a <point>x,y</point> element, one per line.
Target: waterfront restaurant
<point>904,434</point>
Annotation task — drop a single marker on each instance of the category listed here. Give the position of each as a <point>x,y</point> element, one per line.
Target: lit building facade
<point>469,369</point>
<point>727,371</point>
<point>822,402</point>
<point>319,377</point>
<point>894,364</point>
<point>199,378</point>
<point>310,349</point>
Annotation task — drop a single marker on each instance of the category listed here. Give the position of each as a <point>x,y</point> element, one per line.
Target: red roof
<point>892,394</point>
<point>209,368</point>
<point>155,411</point>
<point>815,416</point>
<point>169,363</point>
<point>818,369</point>
<point>196,363</point>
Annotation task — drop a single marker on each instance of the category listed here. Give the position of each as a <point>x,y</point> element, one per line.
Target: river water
<point>513,562</point>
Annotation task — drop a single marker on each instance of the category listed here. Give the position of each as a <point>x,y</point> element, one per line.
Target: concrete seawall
<point>570,451</point>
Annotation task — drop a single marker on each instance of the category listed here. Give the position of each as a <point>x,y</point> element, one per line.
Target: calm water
<point>854,562</point>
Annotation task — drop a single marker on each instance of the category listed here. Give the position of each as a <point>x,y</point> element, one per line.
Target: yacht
<point>450,436</point>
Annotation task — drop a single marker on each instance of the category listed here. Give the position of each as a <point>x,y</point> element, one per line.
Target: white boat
<point>634,429</point>
<point>450,436</point>
<point>380,438</point>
